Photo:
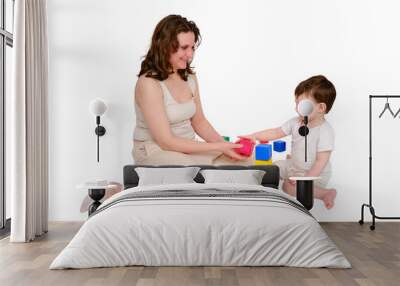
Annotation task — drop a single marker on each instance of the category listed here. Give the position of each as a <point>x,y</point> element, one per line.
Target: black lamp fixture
<point>305,108</point>
<point>97,107</point>
<point>304,185</point>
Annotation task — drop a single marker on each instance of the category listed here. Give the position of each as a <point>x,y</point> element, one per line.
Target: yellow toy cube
<point>263,162</point>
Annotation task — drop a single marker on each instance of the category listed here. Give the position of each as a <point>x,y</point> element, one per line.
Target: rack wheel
<point>361,222</point>
<point>372,227</point>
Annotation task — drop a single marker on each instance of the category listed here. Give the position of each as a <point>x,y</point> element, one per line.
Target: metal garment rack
<point>369,205</point>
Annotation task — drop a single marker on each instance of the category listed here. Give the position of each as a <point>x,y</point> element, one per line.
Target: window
<point>6,44</point>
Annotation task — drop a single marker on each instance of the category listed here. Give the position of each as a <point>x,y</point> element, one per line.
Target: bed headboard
<point>270,179</point>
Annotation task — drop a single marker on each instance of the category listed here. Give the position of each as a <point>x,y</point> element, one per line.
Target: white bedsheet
<point>200,231</point>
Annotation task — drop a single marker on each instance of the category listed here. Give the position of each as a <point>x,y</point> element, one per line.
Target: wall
<point>252,56</point>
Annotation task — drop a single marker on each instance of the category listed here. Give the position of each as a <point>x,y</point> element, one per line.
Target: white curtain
<point>28,120</point>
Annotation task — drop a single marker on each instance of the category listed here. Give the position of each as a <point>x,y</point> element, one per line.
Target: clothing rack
<point>369,205</point>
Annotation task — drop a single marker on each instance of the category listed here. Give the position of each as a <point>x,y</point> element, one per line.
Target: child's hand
<point>292,182</point>
<point>251,137</point>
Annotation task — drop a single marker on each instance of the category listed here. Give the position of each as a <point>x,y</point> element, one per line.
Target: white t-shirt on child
<point>320,138</point>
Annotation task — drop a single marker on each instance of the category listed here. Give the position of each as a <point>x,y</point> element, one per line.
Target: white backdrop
<point>252,56</point>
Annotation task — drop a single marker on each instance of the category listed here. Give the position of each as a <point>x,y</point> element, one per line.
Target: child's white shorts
<point>286,170</point>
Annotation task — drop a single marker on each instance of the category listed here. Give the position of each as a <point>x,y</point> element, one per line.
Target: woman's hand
<point>227,148</point>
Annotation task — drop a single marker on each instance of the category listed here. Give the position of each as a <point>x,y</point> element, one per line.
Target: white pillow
<point>163,176</point>
<point>248,177</point>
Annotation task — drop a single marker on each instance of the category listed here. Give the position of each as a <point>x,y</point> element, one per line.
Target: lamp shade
<point>97,107</point>
<point>305,107</point>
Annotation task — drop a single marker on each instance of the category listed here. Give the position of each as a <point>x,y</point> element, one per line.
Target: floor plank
<point>374,255</point>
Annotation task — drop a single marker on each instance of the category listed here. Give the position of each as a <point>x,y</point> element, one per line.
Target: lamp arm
<point>98,137</point>
<point>98,145</point>
<point>305,138</point>
<point>305,148</point>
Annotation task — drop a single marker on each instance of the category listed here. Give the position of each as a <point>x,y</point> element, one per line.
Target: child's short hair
<point>320,88</point>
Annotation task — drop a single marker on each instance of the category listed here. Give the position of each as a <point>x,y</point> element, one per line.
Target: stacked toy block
<point>263,154</point>
<point>264,151</point>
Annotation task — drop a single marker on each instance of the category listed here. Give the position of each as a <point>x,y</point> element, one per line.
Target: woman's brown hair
<point>164,42</point>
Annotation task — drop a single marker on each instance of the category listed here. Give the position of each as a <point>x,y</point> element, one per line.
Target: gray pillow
<point>248,177</point>
<point>163,176</point>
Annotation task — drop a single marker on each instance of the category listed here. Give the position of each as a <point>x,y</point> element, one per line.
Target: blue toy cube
<point>279,146</point>
<point>263,152</point>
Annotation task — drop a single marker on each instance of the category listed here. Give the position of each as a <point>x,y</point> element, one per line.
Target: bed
<point>201,224</point>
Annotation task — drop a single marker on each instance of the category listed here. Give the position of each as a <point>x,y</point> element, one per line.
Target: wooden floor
<point>374,255</point>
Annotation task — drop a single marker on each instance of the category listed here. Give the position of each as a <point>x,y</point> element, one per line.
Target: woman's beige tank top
<point>179,115</point>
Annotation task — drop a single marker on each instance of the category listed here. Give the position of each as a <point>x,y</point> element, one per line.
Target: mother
<point>168,107</point>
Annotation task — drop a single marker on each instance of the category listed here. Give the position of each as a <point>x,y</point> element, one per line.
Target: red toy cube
<point>247,148</point>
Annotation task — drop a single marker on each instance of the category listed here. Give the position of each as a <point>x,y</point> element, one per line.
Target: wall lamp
<point>305,108</point>
<point>97,107</point>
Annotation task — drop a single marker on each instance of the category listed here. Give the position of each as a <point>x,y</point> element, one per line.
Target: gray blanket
<point>201,224</point>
